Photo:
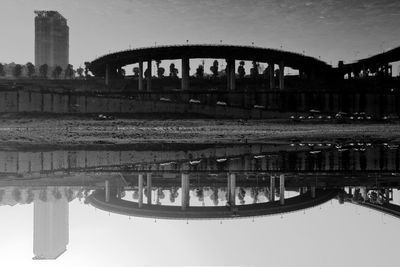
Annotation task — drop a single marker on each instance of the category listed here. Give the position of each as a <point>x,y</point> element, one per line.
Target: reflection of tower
<point>50,236</point>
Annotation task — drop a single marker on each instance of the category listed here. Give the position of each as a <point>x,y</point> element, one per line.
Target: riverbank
<point>70,131</point>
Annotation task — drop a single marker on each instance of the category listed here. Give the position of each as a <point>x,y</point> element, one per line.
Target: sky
<point>331,29</point>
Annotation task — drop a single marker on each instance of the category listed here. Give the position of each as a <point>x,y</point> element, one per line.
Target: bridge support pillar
<point>185,73</point>
<point>272,188</point>
<point>271,67</point>
<point>149,186</point>
<point>232,189</point>
<point>140,78</point>
<point>140,188</point>
<point>230,74</point>
<point>282,189</point>
<point>149,74</point>
<point>281,75</point>
<point>107,75</point>
<point>185,190</point>
<point>107,190</point>
<point>312,191</point>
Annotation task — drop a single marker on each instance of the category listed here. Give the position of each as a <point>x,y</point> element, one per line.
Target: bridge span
<point>110,65</point>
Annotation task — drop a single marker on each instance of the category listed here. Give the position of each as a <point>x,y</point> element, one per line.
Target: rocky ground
<point>67,131</point>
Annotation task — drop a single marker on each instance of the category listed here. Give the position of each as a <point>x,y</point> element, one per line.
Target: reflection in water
<point>207,183</point>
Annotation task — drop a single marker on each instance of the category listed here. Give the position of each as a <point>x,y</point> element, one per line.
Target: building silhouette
<point>51,39</point>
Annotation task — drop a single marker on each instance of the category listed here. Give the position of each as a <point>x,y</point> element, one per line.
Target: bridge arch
<point>107,65</point>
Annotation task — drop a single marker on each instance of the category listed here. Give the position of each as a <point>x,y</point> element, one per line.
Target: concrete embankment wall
<point>274,105</point>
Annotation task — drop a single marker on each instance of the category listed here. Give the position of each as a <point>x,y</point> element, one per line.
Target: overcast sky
<point>331,29</point>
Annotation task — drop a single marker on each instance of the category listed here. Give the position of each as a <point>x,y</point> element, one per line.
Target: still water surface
<point>260,204</point>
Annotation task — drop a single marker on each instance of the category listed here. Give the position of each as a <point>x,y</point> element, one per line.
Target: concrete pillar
<point>149,186</point>
<point>387,195</point>
<point>107,75</point>
<point>107,190</point>
<point>140,80</point>
<point>272,188</point>
<point>312,191</point>
<point>232,189</point>
<point>230,74</point>
<point>140,188</point>
<point>271,67</point>
<point>282,189</point>
<point>185,73</point>
<point>149,75</point>
<point>281,75</point>
<point>185,190</point>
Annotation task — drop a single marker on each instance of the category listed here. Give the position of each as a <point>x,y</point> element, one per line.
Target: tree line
<point>44,71</point>
<point>200,73</point>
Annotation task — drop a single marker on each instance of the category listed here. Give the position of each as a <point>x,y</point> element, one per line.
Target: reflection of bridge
<point>378,200</point>
<point>110,200</point>
<point>111,64</point>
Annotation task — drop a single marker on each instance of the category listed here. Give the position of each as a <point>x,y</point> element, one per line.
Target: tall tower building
<point>51,39</point>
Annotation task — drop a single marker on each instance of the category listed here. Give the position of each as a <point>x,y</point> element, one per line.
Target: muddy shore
<point>121,132</point>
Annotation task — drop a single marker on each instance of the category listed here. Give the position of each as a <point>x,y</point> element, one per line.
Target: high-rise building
<point>51,39</point>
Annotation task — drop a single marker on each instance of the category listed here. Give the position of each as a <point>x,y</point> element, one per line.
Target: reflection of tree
<point>200,194</point>
<point>173,194</point>
<point>69,194</point>
<point>241,195</point>
<point>135,194</point>
<point>56,193</point>
<point>160,195</point>
<point>30,196</point>
<point>214,196</point>
<point>254,194</point>
<point>43,195</point>
<point>16,193</point>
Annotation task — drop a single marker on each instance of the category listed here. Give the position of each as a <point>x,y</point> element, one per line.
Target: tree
<point>241,70</point>
<point>80,72</point>
<point>136,71</point>
<point>160,72</point>
<point>17,71</point>
<point>147,73</point>
<point>30,69</point>
<point>2,73</point>
<point>87,66</point>
<point>173,72</point>
<point>214,68</point>
<point>254,70</point>
<point>43,69</point>
<point>69,72</point>
<point>200,71</point>
<point>56,72</point>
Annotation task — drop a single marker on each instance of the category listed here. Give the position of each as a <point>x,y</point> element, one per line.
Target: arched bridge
<point>108,65</point>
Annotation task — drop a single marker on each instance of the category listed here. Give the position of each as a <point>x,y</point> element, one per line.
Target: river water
<point>240,204</point>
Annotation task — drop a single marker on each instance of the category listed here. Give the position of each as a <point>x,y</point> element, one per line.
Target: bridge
<point>375,65</point>
<point>110,65</point>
